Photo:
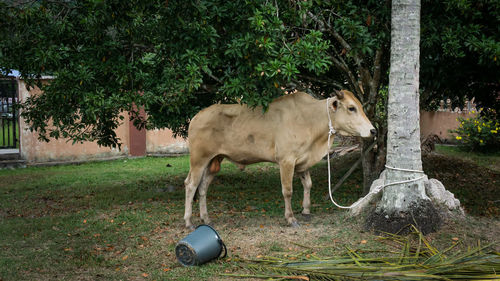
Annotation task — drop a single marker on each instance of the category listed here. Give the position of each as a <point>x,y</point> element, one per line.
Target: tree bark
<point>372,161</point>
<point>406,203</point>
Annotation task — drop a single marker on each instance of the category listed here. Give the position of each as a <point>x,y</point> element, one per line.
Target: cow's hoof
<point>190,227</point>
<point>295,224</point>
<point>307,217</point>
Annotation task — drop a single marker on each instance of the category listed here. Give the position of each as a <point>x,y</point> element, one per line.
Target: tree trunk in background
<point>406,203</point>
<point>372,161</point>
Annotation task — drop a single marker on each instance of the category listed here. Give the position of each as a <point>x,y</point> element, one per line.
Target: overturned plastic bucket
<point>200,246</point>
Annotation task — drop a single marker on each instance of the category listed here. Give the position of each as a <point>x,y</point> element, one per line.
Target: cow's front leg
<point>286,172</point>
<point>305,178</point>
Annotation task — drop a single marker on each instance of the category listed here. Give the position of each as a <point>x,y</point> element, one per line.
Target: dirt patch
<point>260,236</point>
<point>328,234</point>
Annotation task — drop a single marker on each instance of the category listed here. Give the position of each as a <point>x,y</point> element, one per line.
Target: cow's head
<point>348,117</point>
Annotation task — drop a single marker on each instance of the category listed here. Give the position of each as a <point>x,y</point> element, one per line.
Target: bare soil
<point>327,234</point>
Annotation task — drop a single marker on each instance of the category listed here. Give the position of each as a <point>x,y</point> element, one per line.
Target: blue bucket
<point>200,246</point>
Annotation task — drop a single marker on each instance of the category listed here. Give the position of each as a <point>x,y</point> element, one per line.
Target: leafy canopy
<point>460,52</point>
<point>171,58</point>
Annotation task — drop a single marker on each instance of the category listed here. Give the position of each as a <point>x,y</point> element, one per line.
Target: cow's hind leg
<point>286,173</point>
<point>305,178</point>
<point>208,176</point>
<point>191,184</point>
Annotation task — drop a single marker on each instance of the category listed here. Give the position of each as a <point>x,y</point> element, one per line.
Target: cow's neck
<point>319,132</point>
<point>326,121</point>
<point>315,111</point>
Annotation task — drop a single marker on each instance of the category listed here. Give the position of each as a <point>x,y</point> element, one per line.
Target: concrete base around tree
<point>427,215</point>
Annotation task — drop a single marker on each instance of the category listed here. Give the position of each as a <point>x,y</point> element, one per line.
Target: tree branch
<point>366,79</point>
<point>371,81</point>
<point>377,70</point>
<point>213,77</point>
<point>352,169</point>
<point>337,37</point>
<point>342,65</point>
<point>314,79</point>
<point>339,62</point>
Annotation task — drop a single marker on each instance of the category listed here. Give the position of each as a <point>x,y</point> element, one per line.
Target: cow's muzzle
<point>373,132</point>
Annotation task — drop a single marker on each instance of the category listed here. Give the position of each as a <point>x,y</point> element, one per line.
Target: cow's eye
<point>352,109</point>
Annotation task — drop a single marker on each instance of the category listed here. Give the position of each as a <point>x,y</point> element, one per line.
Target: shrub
<point>481,132</point>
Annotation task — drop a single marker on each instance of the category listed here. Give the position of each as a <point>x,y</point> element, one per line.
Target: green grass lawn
<point>486,159</point>
<point>121,220</point>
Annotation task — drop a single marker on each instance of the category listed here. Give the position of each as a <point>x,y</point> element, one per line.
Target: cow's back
<point>235,131</point>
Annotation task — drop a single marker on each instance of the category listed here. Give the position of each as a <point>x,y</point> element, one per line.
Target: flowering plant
<point>480,132</point>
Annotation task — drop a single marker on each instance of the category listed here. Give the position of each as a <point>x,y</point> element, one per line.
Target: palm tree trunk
<point>406,203</point>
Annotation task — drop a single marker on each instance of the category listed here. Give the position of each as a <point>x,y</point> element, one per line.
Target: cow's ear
<point>335,104</point>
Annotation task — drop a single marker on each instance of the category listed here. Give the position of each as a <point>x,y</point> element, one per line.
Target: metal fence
<point>9,121</point>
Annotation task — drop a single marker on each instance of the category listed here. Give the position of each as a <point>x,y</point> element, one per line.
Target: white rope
<point>377,189</point>
<point>404,170</point>
<point>331,130</point>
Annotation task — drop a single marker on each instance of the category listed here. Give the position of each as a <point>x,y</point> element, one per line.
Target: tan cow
<point>293,133</point>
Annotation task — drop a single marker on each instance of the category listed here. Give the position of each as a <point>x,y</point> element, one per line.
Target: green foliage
<point>381,108</point>
<point>170,58</point>
<point>173,58</point>
<point>460,50</point>
<point>481,132</point>
<point>356,31</point>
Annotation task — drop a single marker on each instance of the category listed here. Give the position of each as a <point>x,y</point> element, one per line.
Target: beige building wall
<point>36,151</point>
<point>163,142</point>
<point>440,122</point>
